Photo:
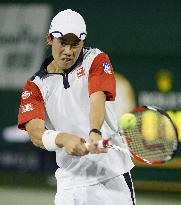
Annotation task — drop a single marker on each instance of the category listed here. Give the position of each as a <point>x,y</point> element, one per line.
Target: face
<point>66,50</point>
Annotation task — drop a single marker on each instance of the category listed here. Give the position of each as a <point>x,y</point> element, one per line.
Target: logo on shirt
<point>26,94</point>
<point>26,108</point>
<point>107,68</point>
<point>80,72</point>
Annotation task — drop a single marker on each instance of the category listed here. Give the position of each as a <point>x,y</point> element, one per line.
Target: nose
<point>68,49</point>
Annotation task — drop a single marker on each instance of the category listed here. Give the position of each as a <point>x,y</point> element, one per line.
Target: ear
<point>49,39</point>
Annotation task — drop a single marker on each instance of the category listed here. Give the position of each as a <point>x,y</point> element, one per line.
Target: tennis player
<point>68,102</point>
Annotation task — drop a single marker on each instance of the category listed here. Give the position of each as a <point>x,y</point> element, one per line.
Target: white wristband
<point>48,139</point>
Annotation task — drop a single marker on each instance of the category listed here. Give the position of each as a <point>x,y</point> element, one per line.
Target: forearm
<point>36,129</point>
<point>97,115</point>
<point>51,140</point>
<point>97,110</point>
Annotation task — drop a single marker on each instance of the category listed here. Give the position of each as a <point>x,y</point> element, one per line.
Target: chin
<point>69,66</point>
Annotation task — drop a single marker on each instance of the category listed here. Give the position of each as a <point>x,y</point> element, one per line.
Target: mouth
<point>66,60</point>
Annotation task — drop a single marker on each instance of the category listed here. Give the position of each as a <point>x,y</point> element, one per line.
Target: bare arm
<point>96,117</point>
<point>35,129</point>
<point>73,144</point>
<point>97,109</point>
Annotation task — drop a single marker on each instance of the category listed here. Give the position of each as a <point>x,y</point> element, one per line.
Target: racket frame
<point>106,143</point>
<point>161,111</point>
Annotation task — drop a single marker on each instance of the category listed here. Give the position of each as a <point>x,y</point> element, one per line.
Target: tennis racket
<point>153,140</point>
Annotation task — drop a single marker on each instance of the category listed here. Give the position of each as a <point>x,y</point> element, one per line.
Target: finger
<point>81,150</point>
<point>73,152</point>
<point>86,150</point>
<point>84,146</point>
<point>92,148</point>
<point>103,150</point>
<point>82,140</point>
<point>100,150</point>
<point>76,153</point>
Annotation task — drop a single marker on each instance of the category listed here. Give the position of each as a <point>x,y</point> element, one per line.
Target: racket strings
<point>153,138</point>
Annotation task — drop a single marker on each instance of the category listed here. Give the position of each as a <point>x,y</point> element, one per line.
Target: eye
<point>63,44</point>
<point>75,45</point>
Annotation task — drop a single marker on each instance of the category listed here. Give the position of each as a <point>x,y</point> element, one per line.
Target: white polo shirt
<point>62,100</point>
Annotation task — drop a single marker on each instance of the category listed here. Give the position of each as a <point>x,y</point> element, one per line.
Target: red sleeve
<point>31,105</point>
<point>101,77</point>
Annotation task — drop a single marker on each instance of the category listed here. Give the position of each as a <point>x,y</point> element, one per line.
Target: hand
<point>94,138</point>
<point>72,144</point>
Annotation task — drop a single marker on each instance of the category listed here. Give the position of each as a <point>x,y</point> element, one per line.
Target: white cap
<point>68,21</point>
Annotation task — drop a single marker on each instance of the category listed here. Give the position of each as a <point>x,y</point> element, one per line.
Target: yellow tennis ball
<point>127,121</point>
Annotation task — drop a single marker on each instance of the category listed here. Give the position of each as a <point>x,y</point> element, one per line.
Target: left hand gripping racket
<point>154,138</point>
